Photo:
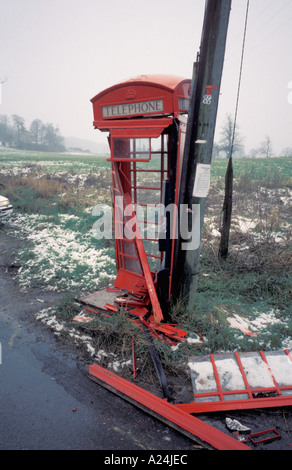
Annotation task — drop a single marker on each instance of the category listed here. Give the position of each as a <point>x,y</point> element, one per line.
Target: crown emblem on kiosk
<point>130,93</point>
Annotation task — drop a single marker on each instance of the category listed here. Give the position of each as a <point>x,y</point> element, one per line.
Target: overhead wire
<point>271,33</point>
<point>240,77</point>
<point>255,33</point>
<point>274,14</point>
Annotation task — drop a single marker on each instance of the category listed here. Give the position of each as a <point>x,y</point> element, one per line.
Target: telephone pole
<point>200,138</point>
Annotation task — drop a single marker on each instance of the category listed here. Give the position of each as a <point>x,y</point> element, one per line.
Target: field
<point>54,196</point>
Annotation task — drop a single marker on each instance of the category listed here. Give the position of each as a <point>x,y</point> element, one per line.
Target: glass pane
<point>281,367</point>
<point>256,370</point>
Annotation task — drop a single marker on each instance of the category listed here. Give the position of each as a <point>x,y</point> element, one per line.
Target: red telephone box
<point>146,123</point>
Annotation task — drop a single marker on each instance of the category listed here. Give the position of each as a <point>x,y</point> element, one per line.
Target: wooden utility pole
<point>200,139</point>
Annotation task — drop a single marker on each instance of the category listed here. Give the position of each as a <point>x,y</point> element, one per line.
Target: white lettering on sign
<point>128,109</point>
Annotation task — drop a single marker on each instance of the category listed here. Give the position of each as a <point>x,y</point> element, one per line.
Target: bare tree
<point>266,147</point>
<point>225,142</point>
<point>286,152</point>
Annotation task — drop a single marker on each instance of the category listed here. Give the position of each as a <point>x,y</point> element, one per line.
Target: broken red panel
<point>169,330</point>
<point>132,283</point>
<point>235,381</point>
<point>108,301</point>
<point>189,425</point>
<point>111,308</point>
<point>158,315</point>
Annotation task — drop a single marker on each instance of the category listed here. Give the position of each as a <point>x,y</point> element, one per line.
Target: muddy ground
<point>28,304</point>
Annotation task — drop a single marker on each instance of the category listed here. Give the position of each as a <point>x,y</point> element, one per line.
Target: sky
<point>58,54</point>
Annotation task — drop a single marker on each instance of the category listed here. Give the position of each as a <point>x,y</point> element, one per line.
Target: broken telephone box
<point>145,118</point>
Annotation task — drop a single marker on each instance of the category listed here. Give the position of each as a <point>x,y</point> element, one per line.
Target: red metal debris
<point>270,435</point>
<point>136,307</point>
<point>163,410</point>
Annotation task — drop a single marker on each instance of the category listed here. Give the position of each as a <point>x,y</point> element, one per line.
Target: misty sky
<point>58,54</point>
